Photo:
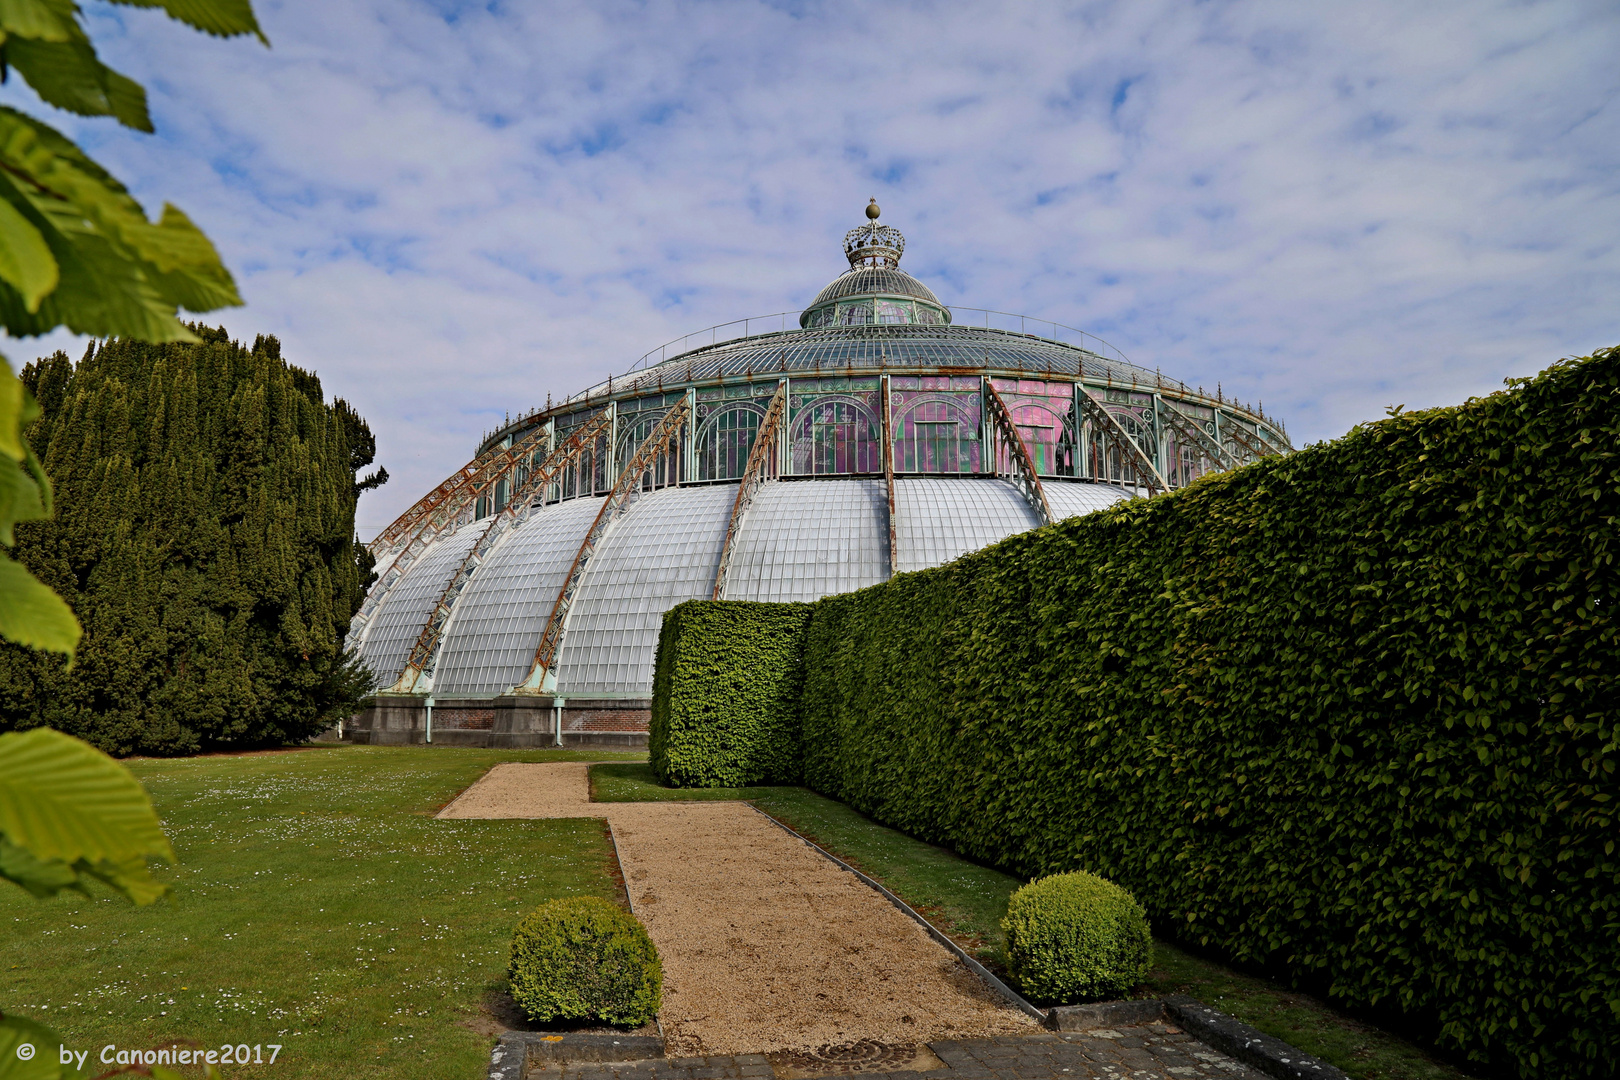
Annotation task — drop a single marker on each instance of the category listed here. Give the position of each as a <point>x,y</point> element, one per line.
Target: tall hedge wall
<point>725,694</point>
<point>1350,711</point>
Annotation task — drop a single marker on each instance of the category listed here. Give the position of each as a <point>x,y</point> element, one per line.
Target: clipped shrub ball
<point>1074,937</point>
<point>583,958</point>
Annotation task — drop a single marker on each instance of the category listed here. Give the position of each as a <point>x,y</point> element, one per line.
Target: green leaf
<point>25,259</point>
<point>223,18</point>
<point>187,268</point>
<point>42,20</point>
<point>42,877</point>
<point>43,1061</point>
<point>68,74</point>
<point>17,411</point>
<point>31,614</point>
<point>65,802</point>
<point>19,500</point>
<point>119,274</point>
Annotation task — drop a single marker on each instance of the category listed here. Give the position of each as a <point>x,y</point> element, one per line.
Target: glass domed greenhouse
<point>781,458</point>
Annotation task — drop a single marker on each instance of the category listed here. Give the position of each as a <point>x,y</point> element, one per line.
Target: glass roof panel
<point>399,622</point>
<point>490,642</point>
<point>1070,498</point>
<point>663,550</point>
<point>937,520</point>
<point>805,539</point>
<point>838,348</point>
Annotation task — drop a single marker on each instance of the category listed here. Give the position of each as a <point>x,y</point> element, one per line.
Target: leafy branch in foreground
<point>68,813</point>
<point>76,250</point>
<point>30,613</point>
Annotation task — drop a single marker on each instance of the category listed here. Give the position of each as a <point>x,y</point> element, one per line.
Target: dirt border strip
<point>1002,990</point>
<point>614,840</point>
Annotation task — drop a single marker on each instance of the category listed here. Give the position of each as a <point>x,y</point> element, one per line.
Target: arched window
<point>724,440</point>
<point>936,434</point>
<point>836,435</point>
<point>633,431</point>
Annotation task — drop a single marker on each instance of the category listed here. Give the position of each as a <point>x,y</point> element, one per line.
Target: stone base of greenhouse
<point>509,722</point>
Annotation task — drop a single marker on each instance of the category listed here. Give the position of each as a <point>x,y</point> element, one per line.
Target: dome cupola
<point>874,290</point>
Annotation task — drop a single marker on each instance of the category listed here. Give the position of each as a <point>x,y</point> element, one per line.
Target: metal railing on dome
<point>779,323</point>
<point>982,318</point>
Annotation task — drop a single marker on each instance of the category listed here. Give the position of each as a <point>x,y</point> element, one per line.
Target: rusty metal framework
<point>465,487</point>
<point>1115,436</point>
<point>888,475</point>
<point>1022,472</point>
<point>763,464</point>
<point>440,510</point>
<point>424,654</point>
<point>664,440</point>
<point>1255,446</point>
<point>1188,426</point>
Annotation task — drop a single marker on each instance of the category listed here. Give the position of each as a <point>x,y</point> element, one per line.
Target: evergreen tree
<point>204,535</point>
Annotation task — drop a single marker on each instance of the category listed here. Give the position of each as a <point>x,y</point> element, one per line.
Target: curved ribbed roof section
<point>1071,498</point>
<point>805,539</point>
<point>875,281</point>
<point>662,551</point>
<point>397,626</point>
<point>799,540</point>
<point>489,644</point>
<point>940,519</point>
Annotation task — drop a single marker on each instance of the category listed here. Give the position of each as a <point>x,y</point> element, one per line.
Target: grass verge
<point>967,901</point>
<point>318,905</point>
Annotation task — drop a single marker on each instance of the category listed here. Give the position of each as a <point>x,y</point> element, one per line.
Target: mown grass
<point>967,901</point>
<point>317,905</point>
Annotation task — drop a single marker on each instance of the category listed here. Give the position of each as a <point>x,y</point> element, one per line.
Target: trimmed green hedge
<point>1351,711</point>
<point>582,958</point>
<point>1076,937</point>
<point>725,694</point>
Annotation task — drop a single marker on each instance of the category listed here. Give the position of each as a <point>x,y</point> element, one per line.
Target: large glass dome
<point>520,601</point>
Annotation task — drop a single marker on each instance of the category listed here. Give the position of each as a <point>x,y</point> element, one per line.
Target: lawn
<point>317,906</point>
<point>967,901</point>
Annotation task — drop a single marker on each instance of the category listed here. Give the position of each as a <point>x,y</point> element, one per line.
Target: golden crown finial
<point>872,210</point>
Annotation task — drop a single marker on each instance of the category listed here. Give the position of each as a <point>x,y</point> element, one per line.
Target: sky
<point>451,211</point>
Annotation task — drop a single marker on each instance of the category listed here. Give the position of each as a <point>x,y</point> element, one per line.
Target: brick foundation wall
<point>464,719</point>
<point>606,719</point>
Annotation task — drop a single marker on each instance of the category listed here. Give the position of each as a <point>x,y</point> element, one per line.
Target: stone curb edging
<point>1105,1014</point>
<point>1248,1045</point>
<point>614,840</point>
<point>511,1056</point>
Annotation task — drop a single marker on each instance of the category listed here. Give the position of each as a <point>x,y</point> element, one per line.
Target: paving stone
<point>1157,1051</point>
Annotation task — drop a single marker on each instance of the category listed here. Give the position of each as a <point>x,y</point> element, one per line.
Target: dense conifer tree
<point>204,535</point>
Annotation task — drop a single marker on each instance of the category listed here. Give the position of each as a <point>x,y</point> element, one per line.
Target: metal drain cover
<point>843,1059</point>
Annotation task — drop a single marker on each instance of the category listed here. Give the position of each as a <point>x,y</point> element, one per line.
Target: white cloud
<point>452,211</point>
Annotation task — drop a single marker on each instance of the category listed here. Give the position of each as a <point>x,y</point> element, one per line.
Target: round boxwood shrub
<point>585,959</point>
<point>1072,937</point>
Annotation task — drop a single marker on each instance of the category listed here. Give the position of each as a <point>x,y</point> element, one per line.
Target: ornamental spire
<point>873,244</point>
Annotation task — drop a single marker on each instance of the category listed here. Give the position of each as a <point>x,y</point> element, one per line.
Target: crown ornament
<point>873,244</point>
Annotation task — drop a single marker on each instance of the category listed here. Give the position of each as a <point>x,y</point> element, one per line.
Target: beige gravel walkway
<point>766,945</point>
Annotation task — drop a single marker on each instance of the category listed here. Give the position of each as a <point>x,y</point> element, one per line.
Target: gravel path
<point>766,945</point>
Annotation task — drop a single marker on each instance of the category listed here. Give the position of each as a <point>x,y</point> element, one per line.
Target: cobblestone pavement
<point>1157,1051</point>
